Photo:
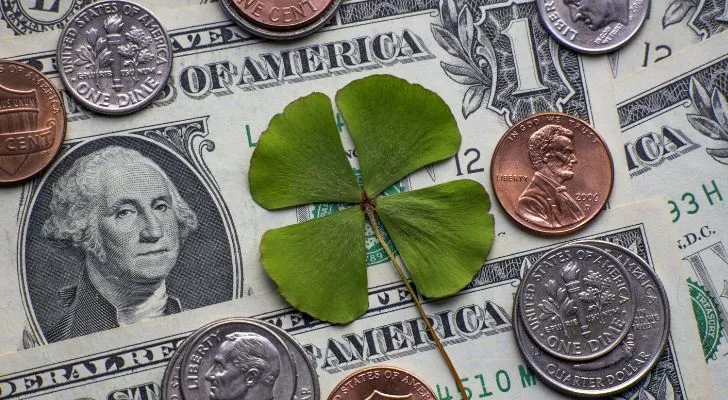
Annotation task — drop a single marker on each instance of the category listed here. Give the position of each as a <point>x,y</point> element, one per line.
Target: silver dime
<point>114,57</point>
<point>593,26</point>
<point>281,34</point>
<point>629,362</point>
<point>238,358</point>
<point>576,302</point>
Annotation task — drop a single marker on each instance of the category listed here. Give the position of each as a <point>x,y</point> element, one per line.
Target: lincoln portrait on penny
<point>129,221</point>
<point>597,14</point>
<point>245,367</point>
<point>546,201</point>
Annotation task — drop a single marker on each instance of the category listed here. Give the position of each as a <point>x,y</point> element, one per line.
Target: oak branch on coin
<point>442,233</point>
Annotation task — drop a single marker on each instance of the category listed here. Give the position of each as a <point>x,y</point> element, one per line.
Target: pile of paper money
<point>659,103</point>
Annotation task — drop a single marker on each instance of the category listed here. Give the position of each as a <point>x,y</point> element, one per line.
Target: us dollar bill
<point>202,130</point>
<point>674,119</point>
<point>671,26</point>
<point>475,325</point>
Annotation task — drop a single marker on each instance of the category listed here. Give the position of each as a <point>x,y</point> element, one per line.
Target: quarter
<point>593,26</point>
<point>32,121</point>
<point>385,382</point>
<point>576,302</point>
<point>627,363</point>
<point>552,173</point>
<point>114,57</point>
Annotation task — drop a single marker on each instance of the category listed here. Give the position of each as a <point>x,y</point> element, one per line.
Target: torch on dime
<point>626,364</point>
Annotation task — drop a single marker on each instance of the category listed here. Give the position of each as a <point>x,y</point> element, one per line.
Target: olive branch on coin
<point>443,233</point>
<point>557,306</point>
<point>712,117</point>
<point>94,54</point>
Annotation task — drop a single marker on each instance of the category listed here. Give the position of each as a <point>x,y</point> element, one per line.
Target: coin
<point>552,173</point>
<point>576,302</point>
<point>625,365</point>
<point>280,19</point>
<point>235,358</point>
<point>307,380</point>
<point>385,382</point>
<point>114,57</point>
<point>32,121</point>
<point>593,26</point>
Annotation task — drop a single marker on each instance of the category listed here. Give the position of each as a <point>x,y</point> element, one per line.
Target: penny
<point>552,173</point>
<point>576,302</point>
<point>385,382</point>
<point>114,57</point>
<point>32,121</point>
<point>238,358</point>
<point>629,362</point>
<point>280,19</point>
<point>593,26</point>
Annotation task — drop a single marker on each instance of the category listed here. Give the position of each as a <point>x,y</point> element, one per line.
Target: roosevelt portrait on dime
<point>122,242</point>
<point>597,14</point>
<point>245,367</point>
<point>546,202</point>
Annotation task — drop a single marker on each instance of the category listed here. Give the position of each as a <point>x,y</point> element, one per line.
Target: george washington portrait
<point>117,240</point>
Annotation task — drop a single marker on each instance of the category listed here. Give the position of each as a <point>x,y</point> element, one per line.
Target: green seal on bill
<point>708,318</point>
<point>375,253</point>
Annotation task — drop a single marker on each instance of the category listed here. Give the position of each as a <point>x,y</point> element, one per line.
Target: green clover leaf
<point>443,233</point>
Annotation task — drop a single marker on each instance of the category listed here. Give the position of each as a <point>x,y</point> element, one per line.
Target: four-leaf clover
<point>443,233</point>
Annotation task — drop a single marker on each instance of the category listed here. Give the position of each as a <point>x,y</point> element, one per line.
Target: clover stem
<point>368,207</point>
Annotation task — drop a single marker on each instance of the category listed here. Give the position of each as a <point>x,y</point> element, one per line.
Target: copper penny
<point>380,383</point>
<point>32,121</point>
<point>282,14</point>
<point>552,173</point>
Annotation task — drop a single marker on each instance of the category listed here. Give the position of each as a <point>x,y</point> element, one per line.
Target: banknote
<point>201,131</point>
<point>674,118</point>
<point>475,326</point>
<point>671,26</point>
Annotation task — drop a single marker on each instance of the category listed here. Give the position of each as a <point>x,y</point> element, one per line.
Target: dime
<point>235,358</point>
<point>384,382</point>
<point>625,365</point>
<point>593,26</point>
<point>114,57</point>
<point>32,121</point>
<point>307,379</point>
<point>552,173</point>
<point>576,302</point>
<point>280,19</point>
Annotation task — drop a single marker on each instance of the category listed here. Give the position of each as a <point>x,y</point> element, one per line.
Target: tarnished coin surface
<point>32,121</point>
<point>576,302</point>
<point>238,358</point>
<point>626,364</point>
<point>280,19</point>
<point>385,382</point>
<point>552,173</point>
<point>114,57</point>
<point>593,26</point>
